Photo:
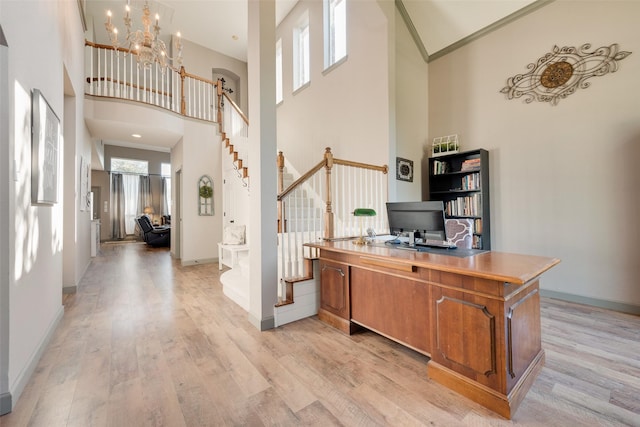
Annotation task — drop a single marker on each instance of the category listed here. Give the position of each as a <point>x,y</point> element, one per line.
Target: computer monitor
<point>427,218</point>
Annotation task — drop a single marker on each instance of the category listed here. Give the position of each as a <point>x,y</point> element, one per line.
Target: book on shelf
<point>477,226</point>
<point>471,182</point>
<point>470,164</point>
<point>464,206</point>
<point>440,167</point>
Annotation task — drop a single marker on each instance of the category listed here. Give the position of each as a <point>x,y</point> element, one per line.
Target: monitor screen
<point>427,218</point>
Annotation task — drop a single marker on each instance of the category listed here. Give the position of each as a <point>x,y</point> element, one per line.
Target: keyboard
<point>436,244</point>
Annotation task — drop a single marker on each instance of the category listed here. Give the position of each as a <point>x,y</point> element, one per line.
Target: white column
<point>263,290</point>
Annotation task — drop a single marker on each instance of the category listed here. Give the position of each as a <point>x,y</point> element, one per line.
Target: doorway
<point>96,202</point>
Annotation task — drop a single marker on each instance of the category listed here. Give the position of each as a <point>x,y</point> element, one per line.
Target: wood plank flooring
<point>146,342</point>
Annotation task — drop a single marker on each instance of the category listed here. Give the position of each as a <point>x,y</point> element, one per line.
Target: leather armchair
<point>154,236</point>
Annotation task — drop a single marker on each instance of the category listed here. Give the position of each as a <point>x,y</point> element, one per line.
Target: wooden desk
<point>477,318</point>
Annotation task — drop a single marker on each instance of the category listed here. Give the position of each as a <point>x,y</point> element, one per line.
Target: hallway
<point>147,342</point>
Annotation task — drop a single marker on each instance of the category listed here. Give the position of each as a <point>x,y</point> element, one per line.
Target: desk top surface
<point>501,266</point>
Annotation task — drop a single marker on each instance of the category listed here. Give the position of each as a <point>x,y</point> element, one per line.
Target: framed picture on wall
<point>85,193</point>
<point>404,169</point>
<point>45,143</point>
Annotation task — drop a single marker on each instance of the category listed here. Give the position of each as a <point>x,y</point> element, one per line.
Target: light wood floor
<point>146,342</point>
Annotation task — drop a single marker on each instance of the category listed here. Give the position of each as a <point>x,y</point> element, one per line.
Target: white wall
<point>77,222</point>
<point>200,156</point>
<point>346,108</point>
<point>411,102</point>
<point>5,183</point>
<point>563,178</point>
<point>200,61</point>
<point>35,232</point>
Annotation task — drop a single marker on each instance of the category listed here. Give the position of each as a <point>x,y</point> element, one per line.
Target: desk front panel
<point>395,307</point>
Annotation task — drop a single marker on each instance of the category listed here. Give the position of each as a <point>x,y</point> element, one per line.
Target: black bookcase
<point>461,181</point>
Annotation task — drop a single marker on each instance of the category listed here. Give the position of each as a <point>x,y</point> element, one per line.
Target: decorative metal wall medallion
<point>561,72</point>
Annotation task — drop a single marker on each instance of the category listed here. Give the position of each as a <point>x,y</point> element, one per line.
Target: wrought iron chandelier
<point>145,43</point>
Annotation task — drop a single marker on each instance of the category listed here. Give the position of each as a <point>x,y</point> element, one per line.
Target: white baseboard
<point>185,263</point>
<point>609,305</point>
<point>236,287</point>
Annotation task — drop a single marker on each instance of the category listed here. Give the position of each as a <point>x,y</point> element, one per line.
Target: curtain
<point>117,207</point>
<point>165,209</point>
<point>144,196</point>
<point>131,190</point>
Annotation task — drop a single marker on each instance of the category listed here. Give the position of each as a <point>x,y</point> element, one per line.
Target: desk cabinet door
<point>468,336</point>
<point>334,288</point>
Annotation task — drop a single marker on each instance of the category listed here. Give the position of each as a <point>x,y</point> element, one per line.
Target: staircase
<point>237,161</point>
<point>317,205</point>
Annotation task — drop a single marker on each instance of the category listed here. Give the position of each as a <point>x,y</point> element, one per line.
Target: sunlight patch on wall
<point>26,224</point>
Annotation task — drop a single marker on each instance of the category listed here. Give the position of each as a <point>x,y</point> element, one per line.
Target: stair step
<point>290,282</point>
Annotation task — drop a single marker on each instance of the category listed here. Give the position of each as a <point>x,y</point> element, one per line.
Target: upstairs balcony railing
<point>114,73</point>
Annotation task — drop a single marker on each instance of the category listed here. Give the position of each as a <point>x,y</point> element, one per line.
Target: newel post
<point>328,215</point>
<point>219,98</point>
<point>183,99</point>
<point>280,163</point>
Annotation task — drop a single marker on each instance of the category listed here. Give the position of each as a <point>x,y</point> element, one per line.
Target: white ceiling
<point>221,25</point>
<point>209,23</point>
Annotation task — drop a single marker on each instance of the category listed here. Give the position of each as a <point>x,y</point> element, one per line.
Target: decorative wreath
<point>206,192</point>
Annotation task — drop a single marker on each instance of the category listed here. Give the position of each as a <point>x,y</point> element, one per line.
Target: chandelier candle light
<point>146,44</point>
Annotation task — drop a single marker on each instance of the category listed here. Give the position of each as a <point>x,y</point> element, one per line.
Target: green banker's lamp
<point>360,212</point>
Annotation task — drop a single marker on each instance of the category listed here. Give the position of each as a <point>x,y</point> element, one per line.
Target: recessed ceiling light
<point>136,135</point>
<point>234,37</point>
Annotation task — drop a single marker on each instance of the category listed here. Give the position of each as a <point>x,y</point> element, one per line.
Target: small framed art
<point>404,169</point>
<point>45,141</point>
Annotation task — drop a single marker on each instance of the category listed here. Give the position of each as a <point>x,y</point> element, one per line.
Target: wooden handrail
<point>384,169</point>
<point>202,79</point>
<point>107,46</point>
<point>171,67</point>
<point>295,184</point>
<point>235,106</point>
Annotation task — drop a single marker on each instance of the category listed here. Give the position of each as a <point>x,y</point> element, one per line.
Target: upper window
<point>301,75</point>
<point>165,169</point>
<point>279,95</point>
<point>335,31</point>
<point>129,166</point>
